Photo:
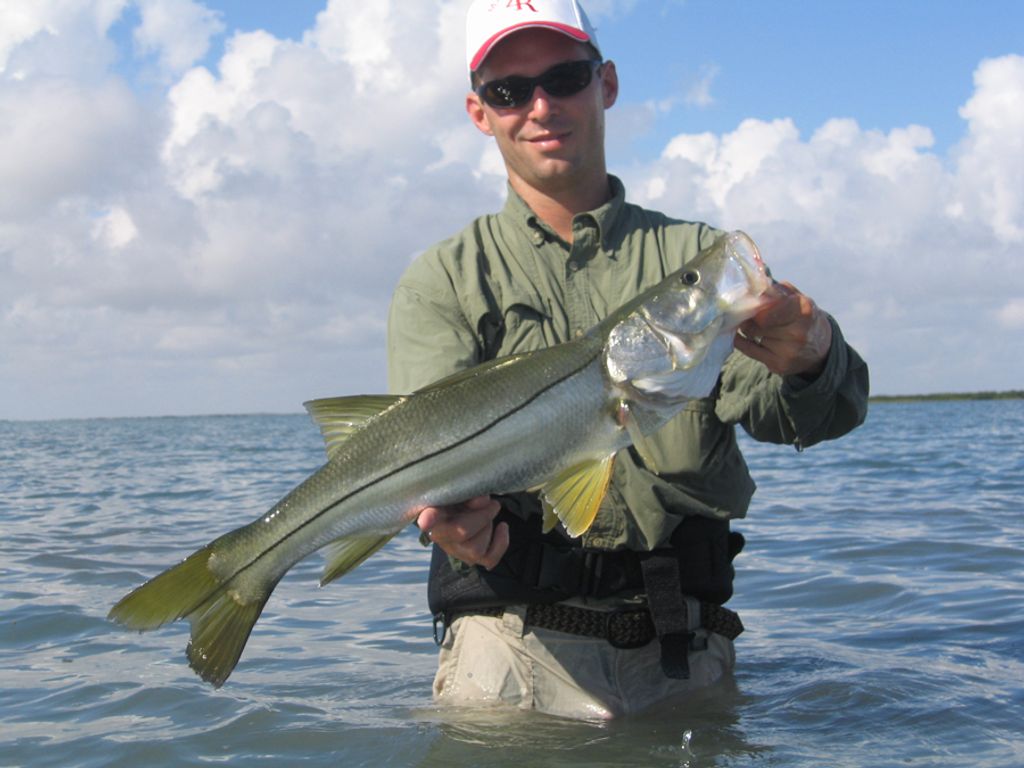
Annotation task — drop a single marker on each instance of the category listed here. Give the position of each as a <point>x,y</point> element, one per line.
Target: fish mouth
<point>750,276</point>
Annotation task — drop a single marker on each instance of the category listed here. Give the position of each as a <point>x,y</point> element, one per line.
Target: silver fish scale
<point>442,445</point>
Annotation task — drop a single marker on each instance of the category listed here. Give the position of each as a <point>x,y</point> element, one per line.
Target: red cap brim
<point>573,32</point>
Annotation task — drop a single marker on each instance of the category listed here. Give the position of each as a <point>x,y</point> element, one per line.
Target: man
<point>631,613</point>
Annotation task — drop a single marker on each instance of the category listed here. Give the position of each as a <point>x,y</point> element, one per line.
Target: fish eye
<point>690,277</point>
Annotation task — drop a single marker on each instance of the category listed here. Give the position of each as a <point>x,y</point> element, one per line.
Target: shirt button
<point>538,238</point>
<point>579,333</point>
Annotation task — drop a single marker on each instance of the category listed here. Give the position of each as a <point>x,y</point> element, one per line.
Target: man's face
<point>548,143</point>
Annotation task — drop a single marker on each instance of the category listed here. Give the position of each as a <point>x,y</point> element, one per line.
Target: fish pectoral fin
<point>575,495</point>
<point>221,617</point>
<point>339,417</point>
<point>346,553</point>
<point>550,518</point>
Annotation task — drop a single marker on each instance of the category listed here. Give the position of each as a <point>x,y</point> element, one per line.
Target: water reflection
<point>702,730</point>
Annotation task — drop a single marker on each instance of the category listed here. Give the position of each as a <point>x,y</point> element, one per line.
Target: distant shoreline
<point>1014,394</point>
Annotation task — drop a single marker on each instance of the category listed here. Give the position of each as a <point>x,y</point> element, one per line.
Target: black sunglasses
<point>562,80</point>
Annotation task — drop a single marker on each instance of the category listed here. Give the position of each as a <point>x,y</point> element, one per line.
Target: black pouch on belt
<point>697,568</point>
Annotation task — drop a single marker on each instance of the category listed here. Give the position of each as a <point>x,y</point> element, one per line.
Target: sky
<point>205,206</point>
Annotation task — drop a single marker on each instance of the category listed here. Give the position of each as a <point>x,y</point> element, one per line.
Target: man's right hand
<point>467,531</point>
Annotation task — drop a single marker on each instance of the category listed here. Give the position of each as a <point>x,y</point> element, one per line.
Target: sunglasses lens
<point>560,81</point>
<point>567,79</point>
<point>508,92</point>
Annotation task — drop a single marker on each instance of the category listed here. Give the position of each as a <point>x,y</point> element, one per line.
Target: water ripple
<point>882,589</point>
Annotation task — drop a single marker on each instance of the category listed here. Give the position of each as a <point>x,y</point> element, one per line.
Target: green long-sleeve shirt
<point>507,283</point>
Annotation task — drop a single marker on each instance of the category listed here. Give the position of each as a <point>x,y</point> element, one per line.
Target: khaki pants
<point>491,660</point>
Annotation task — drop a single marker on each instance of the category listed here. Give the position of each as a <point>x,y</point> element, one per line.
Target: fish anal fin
<point>346,553</point>
<point>575,494</point>
<point>339,417</point>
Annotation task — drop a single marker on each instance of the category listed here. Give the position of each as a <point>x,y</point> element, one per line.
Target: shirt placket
<point>579,268</point>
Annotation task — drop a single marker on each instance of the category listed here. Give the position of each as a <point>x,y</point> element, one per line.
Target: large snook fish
<point>550,420</point>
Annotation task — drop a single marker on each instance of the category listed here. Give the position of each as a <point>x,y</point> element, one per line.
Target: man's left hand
<point>791,335</point>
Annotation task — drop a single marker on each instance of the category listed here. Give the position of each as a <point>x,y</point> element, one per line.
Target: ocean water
<point>882,588</point>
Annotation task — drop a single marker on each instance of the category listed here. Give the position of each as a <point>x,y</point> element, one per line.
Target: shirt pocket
<point>520,324</point>
<point>692,444</point>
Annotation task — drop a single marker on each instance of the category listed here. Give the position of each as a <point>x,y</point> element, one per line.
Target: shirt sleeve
<point>790,410</point>
<point>428,334</point>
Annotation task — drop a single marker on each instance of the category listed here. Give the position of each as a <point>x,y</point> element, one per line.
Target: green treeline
<point>1014,394</point>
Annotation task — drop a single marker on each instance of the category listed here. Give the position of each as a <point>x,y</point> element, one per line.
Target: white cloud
<point>907,247</point>
<point>1011,315</point>
<point>991,158</point>
<point>60,138</point>
<point>178,32</point>
<point>56,37</point>
<point>699,93</point>
<point>115,229</point>
<point>260,214</point>
<point>232,244</point>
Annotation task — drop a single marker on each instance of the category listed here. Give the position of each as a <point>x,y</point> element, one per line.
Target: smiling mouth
<point>549,139</point>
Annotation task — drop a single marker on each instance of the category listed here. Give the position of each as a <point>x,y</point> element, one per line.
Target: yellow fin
<point>339,417</point>
<point>550,518</point>
<point>346,553</point>
<point>575,495</point>
<point>220,630</point>
<point>221,617</point>
<point>173,594</point>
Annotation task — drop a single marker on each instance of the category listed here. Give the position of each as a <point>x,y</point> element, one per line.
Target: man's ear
<point>475,110</point>
<point>609,83</point>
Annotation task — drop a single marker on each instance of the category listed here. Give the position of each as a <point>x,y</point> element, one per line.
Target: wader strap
<point>623,627</point>
<point>674,618</point>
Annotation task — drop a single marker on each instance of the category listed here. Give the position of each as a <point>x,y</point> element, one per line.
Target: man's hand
<point>791,335</point>
<point>466,531</point>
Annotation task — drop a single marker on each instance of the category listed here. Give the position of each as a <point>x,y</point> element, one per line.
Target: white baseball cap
<point>488,22</point>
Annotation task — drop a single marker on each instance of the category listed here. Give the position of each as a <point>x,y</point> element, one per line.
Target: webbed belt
<point>624,628</point>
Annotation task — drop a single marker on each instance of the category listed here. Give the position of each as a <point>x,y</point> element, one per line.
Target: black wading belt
<point>542,569</point>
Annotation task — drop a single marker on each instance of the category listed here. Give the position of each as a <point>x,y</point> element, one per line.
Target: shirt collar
<point>604,216</point>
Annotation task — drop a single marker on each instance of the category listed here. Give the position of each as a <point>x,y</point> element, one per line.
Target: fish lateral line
<point>301,526</point>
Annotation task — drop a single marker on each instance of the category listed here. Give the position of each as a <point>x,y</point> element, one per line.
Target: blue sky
<point>885,63</point>
<point>206,204</point>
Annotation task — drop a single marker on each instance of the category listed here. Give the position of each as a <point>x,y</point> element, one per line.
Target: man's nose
<point>540,104</point>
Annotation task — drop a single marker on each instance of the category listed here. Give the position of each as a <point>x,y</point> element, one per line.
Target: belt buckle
<point>617,630</point>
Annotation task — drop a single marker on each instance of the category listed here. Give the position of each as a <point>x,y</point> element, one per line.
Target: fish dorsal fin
<point>339,417</point>
<point>346,553</point>
<point>473,372</point>
<point>574,496</point>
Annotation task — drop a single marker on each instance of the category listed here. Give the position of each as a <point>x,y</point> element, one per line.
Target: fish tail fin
<point>221,615</point>
<point>346,553</point>
<point>172,595</point>
<point>220,630</point>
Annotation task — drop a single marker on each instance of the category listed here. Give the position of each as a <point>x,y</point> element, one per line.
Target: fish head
<point>669,344</point>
